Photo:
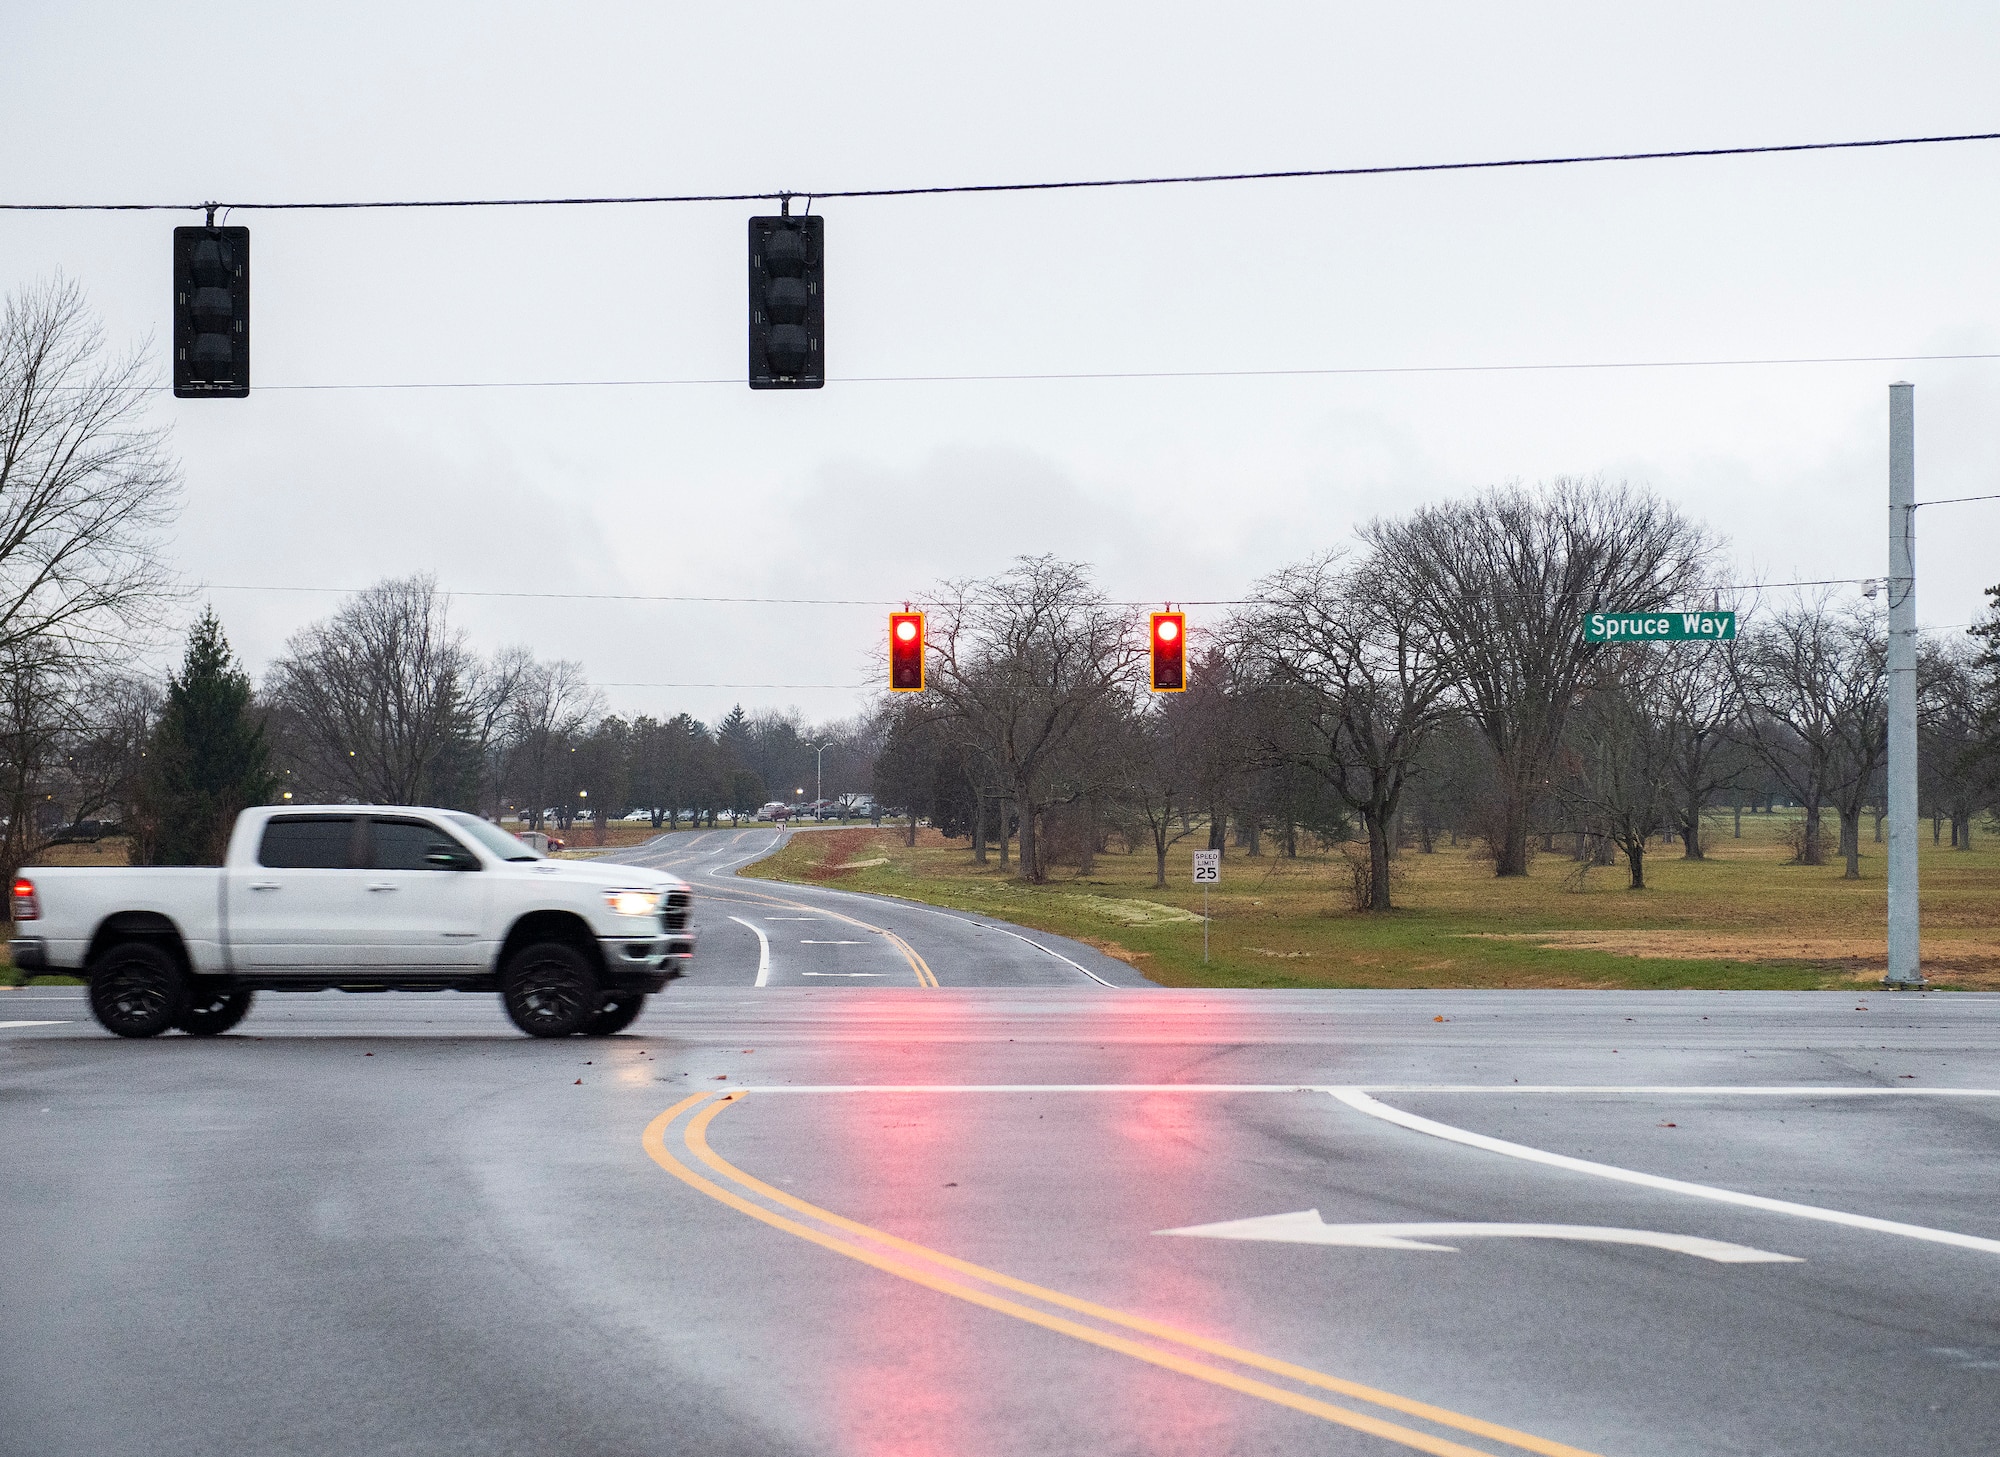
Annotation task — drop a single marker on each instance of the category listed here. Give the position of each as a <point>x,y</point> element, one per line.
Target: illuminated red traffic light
<point>1169,644</point>
<point>906,652</point>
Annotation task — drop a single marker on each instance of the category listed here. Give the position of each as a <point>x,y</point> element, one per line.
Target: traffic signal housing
<point>787,303</point>
<point>906,652</point>
<point>211,313</point>
<point>1169,652</point>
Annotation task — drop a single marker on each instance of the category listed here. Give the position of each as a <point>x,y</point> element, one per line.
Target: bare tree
<point>1359,681</point>
<point>553,704</point>
<point>1699,705</point>
<point>1618,761</point>
<point>1027,661</point>
<point>1959,769</point>
<point>379,696</point>
<point>1815,690</point>
<point>86,486</point>
<point>1504,582</point>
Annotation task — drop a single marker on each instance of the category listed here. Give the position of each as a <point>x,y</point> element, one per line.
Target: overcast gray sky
<point>1183,489</point>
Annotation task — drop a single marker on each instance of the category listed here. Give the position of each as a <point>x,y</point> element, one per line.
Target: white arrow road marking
<point>1306,1228</point>
<point>60,1022</point>
<point>1362,1103</point>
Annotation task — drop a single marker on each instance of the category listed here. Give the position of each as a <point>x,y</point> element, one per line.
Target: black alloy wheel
<point>213,1011</point>
<point>617,1014</point>
<point>137,990</point>
<point>550,990</point>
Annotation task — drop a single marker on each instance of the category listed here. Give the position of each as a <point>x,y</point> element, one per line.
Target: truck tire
<point>210,1013</point>
<point>617,1015</point>
<point>137,990</point>
<point>550,990</point>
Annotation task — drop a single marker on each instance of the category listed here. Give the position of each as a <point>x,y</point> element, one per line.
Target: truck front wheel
<point>617,1015</point>
<point>137,990</point>
<point>211,1013</point>
<point>550,990</point>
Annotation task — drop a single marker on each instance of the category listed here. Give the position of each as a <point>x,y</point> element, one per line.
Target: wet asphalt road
<point>843,1215</point>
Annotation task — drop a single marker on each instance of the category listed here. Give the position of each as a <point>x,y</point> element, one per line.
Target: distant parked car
<point>84,832</point>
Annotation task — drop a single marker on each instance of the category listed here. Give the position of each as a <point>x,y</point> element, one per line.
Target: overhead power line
<point>1117,374</point>
<point>960,189</point>
<point>885,603</point>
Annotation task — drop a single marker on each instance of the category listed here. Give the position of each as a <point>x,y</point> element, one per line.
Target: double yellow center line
<point>918,966</point>
<point>1164,1346</point>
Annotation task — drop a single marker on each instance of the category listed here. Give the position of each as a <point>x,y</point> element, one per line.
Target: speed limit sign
<point>1207,867</point>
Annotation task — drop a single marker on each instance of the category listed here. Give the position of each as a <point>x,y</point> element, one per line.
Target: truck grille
<point>680,905</point>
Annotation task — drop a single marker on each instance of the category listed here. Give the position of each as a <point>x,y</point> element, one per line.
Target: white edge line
<point>1362,1103</point>
<point>779,839</point>
<point>763,951</point>
<point>903,904</point>
<point>58,1022</point>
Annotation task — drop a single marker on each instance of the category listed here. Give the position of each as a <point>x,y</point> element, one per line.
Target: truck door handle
<point>384,885</point>
<point>264,885</point>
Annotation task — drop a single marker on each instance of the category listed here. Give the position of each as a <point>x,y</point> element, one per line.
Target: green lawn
<point>1743,918</point>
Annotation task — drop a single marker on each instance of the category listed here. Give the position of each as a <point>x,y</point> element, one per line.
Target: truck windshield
<point>494,838</point>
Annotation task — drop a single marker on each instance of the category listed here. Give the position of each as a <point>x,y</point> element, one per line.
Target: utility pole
<point>1905,970</point>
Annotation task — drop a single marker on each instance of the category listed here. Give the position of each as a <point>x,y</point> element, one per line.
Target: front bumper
<point>646,963</point>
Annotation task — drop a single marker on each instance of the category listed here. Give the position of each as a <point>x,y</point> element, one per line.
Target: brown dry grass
<point>1743,917</point>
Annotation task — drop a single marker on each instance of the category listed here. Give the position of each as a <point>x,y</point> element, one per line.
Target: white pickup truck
<point>359,898</point>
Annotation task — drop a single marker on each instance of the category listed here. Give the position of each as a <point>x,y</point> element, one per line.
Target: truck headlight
<point>634,902</point>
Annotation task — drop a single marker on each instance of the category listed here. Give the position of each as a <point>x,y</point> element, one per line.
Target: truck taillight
<point>26,907</point>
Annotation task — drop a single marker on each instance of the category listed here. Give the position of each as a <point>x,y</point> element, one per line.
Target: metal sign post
<point>1207,872</point>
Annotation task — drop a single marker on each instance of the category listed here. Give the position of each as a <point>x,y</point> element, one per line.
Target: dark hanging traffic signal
<point>212,312</point>
<point>906,652</point>
<point>787,303</point>
<point>1169,636</point>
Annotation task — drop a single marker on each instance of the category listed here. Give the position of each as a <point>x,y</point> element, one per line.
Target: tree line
<point>1432,681</point>
<point>1427,681</point>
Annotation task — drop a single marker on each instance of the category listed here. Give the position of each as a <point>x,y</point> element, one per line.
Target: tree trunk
<point>1739,817</point>
<point>1812,851</point>
<point>1961,830</point>
<point>1850,843</point>
<point>1031,847</point>
<point>1937,830</point>
<point>1160,856</point>
<point>1691,830</point>
<point>1510,856</point>
<point>1255,836</point>
<point>1880,814</point>
<point>1635,856</point>
<point>979,827</point>
<point>911,837</point>
<point>1218,829</point>
<point>1378,859</point>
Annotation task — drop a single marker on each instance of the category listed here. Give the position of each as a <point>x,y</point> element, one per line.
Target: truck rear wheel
<point>210,1013</point>
<point>550,990</point>
<point>617,1015</point>
<point>137,990</point>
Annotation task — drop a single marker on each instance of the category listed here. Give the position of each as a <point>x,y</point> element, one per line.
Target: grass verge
<point>1742,918</point>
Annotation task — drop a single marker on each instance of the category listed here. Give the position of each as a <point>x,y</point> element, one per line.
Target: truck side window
<point>408,845</point>
<point>308,842</point>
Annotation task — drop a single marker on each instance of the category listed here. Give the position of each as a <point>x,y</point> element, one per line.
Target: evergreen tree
<point>208,758</point>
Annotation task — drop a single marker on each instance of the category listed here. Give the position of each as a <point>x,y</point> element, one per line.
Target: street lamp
<point>819,762</point>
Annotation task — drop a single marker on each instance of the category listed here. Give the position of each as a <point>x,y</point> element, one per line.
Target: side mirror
<point>449,857</point>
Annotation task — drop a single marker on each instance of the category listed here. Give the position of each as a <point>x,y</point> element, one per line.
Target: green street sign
<point>1659,627</point>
